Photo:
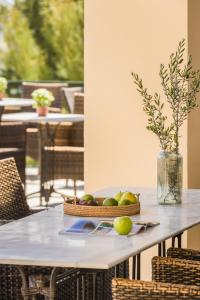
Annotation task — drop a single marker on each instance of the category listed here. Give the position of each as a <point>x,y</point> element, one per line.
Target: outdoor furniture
<point>69,159</point>
<point>32,132</point>
<point>69,94</point>
<point>78,103</point>
<point>13,144</point>
<point>176,271</point>
<point>172,279</point>
<point>124,289</point>
<point>59,103</point>
<point>13,206</point>
<point>7,105</point>
<point>36,239</point>
<point>188,254</point>
<point>13,135</point>
<point>55,88</point>
<point>47,142</point>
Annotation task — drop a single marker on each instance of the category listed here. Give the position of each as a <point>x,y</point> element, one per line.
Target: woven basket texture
<point>101,211</point>
<point>124,289</point>
<point>174,270</point>
<point>188,254</point>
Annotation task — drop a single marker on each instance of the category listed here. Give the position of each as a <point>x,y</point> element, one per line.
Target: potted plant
<point>43,99</point>
<point>180,84</point>
<point>3,87</point>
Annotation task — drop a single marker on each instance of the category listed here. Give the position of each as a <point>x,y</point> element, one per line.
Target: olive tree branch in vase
<point>180,84</point>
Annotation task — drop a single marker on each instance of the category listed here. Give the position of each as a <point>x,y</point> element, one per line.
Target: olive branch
<point>180,85</point>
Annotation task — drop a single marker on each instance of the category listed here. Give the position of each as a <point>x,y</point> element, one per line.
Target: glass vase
<point>169,178</point>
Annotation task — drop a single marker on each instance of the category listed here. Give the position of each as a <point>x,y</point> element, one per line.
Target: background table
<point>15,102</point>
<point>21,102</point>
<point>47,139</point>
<point>29,117</point>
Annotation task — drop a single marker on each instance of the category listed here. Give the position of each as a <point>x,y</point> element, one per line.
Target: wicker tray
<point>101,211</point>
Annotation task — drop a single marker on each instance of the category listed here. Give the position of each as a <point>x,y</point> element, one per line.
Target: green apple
<point>118,196</point>
<point>110,202</point>
<point>123,225</point>
<point>87,197</point>
<point>130,196</point>
<point>124,202</point>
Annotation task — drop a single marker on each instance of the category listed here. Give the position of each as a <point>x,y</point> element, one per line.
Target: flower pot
<point>2,95</point>
<point>169,176</point>
<point>42,111</point>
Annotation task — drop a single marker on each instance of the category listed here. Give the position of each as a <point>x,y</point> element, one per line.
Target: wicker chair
<point>124,289</point>
<point>67,162</point>
<point>172,279</point>
<point>180,253</point>
<point>13,143</point>
<point>79,103</point>
<point>13,206</point>
<point>69,95</point>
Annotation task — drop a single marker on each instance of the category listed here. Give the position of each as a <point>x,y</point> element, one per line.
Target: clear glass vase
<point>169,178</point>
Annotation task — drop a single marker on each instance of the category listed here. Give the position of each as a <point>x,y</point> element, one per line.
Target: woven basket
<point>100,211</point>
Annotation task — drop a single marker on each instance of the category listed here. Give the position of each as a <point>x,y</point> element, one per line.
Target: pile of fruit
<point>121,198</point>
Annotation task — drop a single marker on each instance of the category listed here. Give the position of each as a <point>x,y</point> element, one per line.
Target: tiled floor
<point>33,184</point>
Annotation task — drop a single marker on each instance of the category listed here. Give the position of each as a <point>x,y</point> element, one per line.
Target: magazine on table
<point>103,227</point>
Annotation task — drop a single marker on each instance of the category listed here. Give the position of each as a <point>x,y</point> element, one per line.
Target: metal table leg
<point>136,267</point>
<point>47,142</point>
<point>162,249</point>
<point>179,240</point>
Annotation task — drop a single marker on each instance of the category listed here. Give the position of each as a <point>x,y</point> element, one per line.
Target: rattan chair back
<point>188,254</point>
<point>177,271</point>
<point>12,134</point>
<point>69,95</point>
<point>124,289</point>
<point>13,203</point>
<point>79,103</point>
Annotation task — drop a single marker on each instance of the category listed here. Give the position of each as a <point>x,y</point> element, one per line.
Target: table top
<point>33,117</point>
<point>19,102</point>
<point>35,240</point>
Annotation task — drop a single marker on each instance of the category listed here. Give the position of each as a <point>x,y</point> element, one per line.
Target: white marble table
<point>16,102</point>
<point>29,117</point>
<point>35,240</point>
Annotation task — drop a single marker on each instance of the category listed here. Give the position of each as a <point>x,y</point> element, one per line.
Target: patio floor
<point>33,184</point>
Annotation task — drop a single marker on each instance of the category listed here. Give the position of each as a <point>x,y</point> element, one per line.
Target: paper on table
<point>96,228</point>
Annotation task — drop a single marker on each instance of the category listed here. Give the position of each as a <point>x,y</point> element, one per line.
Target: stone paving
<point>33,184</point>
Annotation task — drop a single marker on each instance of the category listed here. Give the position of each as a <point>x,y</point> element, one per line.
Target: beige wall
<point>121,37</point>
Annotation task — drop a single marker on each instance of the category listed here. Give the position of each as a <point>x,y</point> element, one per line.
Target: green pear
<point>87,197</point>
<point>110,202</point>
<point>118,196</point>
<point>130,196</point>
<point>124,202</point>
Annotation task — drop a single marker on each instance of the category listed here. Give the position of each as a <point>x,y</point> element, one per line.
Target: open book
<point>102,228</point>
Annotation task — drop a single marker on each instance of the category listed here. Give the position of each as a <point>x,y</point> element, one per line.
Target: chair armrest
<point>124,289</point>
<point>184,253</point>
<point>177,271</point>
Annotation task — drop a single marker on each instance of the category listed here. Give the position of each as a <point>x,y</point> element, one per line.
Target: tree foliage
<point>44,40</point>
